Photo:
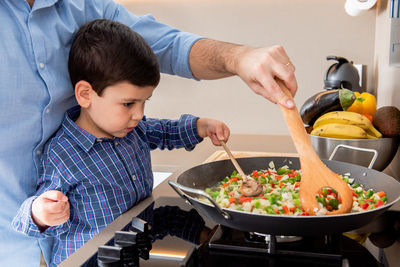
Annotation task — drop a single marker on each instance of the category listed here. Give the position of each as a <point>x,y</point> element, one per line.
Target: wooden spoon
<point>249,187</point>
<point>315,175</point>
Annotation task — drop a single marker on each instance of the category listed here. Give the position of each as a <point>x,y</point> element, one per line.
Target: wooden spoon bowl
<point>249,187</point>
<point>315,175</point>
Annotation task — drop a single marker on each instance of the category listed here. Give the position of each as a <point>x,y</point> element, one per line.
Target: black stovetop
<point>170,233</point>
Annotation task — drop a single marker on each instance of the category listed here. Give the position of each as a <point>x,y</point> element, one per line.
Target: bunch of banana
<point>346,125</point>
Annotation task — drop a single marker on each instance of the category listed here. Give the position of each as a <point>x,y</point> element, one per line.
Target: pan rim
<point>376,210</point>
<point>384,207</point>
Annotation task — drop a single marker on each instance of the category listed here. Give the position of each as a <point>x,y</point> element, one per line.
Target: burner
<point>234,240</point>
<point>279,238</point>
<point>163,235</point>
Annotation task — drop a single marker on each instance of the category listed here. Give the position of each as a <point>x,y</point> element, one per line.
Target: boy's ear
<point>83,93</point>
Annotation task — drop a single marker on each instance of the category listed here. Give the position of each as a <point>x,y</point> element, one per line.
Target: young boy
<point>98,165</point>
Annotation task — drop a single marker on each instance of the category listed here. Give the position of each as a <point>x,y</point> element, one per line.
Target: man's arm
<point>257,67</point>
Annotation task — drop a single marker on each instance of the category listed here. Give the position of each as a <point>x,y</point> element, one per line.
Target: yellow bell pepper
<point>365,103</point>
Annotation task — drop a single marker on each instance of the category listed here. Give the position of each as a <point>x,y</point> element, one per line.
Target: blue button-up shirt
<point>101,177</point>
<point>35,92</point>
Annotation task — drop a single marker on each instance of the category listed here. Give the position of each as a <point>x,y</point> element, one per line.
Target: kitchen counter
<point>177,161</point>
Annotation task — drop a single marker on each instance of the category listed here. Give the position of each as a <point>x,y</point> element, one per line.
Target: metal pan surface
<point>193,181</point>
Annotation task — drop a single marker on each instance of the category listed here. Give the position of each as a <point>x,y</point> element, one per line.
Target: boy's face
<point>118,110</point>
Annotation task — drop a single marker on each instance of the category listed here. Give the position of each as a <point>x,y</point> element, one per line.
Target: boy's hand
<point>214,129</point>
<point>49,209</point>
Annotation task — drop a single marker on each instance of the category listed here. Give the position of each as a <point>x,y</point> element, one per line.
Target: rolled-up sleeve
<point>171,46</point>
<point>170,134</point>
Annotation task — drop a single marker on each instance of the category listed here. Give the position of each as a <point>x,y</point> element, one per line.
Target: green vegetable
<point>215,194</point>
<point>321,200</point>
<point>272,199</point>
<point>325,192</point>
<point>263,180</point>
<point>334,203</point>
<point>282,171</point>
<point>269,210</point>
<point>369,193</point>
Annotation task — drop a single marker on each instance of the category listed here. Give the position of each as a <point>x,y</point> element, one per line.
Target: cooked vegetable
<point>364,103</point>
<point>280,194</point>
<point>324,102</point>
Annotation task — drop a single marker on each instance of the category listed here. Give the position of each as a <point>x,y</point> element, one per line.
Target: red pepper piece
<point>379,203</point>
<point>245,199</point>
<point>364,206</point>
<point>285,209</point>
<point>232,200</point>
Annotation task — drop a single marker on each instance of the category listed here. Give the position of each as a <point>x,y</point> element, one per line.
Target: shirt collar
<point>45,3</point>
<point>83,138</point>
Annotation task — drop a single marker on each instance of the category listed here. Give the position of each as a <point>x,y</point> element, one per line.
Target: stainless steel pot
<point>386,149</point>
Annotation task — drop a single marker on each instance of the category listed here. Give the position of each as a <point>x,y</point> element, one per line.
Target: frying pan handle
<point>180,189</point>
<point>357,148</point>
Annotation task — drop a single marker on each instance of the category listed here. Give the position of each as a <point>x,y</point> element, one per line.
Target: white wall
<point>309,30</point>
<point>387,78</point>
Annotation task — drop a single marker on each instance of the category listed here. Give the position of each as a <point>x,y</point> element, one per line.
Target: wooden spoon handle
<point>315,175</point>
<point>228,151</point>
<point>295,125</point>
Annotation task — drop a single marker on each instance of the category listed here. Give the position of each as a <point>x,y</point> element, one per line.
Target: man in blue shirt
<point>98,164</point>
<point>35,38</point>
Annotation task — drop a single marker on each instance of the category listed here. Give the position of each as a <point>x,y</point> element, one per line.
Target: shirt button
<point>133,177</point>
<point>38,152</point>
<point>98,140</point>
<point>41,65</point>
<point>47,111</point>
<point>116,143</point>
<point>30,16</point>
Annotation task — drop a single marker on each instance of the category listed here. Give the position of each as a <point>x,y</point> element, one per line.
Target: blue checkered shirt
<point>102,177</point>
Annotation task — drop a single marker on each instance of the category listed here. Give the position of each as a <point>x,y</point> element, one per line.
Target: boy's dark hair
<point>106,52</point>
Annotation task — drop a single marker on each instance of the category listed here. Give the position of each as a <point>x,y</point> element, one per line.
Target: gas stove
<point>170,232</point>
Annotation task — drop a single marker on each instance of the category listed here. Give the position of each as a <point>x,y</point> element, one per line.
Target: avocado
<point>387,121</point>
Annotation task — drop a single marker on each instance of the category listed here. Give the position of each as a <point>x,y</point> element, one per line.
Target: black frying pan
<point>191,183</point>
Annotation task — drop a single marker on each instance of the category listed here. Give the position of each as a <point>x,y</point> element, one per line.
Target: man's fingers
<point>284,95</point>
<point>259,89</point>
<point>270,89</point>
<point>287,76</point>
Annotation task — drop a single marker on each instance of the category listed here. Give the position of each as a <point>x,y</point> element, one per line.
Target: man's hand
<point>214,129</point>
<point>49,209</point>
<point>259,67</point>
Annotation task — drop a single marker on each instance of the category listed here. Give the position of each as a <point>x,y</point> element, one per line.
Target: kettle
<point>342,74</point>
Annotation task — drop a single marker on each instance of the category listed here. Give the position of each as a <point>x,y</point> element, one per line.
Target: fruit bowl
<point>386,148</point>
